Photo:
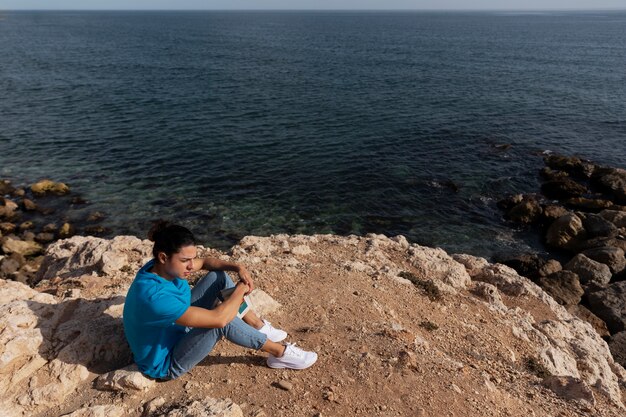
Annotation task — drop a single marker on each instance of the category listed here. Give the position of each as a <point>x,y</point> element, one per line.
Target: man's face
<point>180,264</point>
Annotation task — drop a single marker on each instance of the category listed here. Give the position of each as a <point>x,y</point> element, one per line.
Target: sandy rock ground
<point>401,330</point>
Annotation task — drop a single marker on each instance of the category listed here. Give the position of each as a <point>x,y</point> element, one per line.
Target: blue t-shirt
<point>152,306</point>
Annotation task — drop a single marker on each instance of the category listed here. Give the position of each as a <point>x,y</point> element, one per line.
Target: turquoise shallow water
<point>240,123</point>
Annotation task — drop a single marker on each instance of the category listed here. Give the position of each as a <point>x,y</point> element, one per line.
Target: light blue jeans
<point>196,344</point>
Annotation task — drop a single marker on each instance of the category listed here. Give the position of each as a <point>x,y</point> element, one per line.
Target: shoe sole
<point>283,366</point>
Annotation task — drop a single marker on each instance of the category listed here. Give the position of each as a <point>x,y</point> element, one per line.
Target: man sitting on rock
<point>170,327</point>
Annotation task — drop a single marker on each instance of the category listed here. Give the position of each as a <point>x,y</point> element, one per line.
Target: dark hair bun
<point>158,227</point>
<point>169,238</point>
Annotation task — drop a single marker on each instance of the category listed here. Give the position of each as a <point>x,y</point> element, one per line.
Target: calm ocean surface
<point>239,123</point>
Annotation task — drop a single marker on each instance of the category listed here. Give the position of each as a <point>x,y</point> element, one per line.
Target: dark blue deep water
<point>240,123</point>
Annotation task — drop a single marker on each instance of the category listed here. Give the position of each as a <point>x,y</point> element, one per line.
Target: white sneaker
<point>293,358</point>
<point>273,334</point>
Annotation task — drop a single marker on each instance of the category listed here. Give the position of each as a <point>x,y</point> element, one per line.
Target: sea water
<point>237,123</point>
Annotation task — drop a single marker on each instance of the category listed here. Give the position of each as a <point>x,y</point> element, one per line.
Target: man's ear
<point>162,257</point>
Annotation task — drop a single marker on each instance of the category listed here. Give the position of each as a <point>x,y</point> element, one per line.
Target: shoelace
<point>295,351</point>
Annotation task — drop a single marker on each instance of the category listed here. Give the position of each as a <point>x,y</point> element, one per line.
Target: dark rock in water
<point>565,231</point>
<point>570,164</point>
<point>50,228</point>
<point>78,200</point>
<point>6,187</point>
<point>612,181</point>
<point>25,248</point>
<point>527,211</point>
<point>96,216</point>
<point>29,205</point>
<point>563,286</point>
<point>610,305</point>
<point>610,256</point>
<point>26,225</point>
<point>44,237</point>
<point>585,314</point>
<point>96,230</point>
<point>66,230</point>
<point>8,209</point>
<point>563,189</point>
<point>600,242</point>
<point>552,175</point>
<point>618,218</point>
<point>10,265</point>
<point>7,228</point>
<point>596,226</point>
<point>508,203</point>
<point>589,271</point>
<point>527,265</point>
<point>588,204</point>
<point>551,213</point>
<point>617,345</point>
<point>550,267</point>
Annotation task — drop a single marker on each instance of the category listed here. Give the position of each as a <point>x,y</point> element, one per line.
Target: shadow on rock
<point>83,332</point>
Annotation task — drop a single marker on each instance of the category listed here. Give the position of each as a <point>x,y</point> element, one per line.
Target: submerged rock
<point>570,164</point>
<point>563,189</point>
<point>527,211</point>
<point>47,186</point>
<point>21,247</point>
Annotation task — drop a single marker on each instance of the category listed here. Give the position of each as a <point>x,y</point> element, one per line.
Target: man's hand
<point>245,277</point>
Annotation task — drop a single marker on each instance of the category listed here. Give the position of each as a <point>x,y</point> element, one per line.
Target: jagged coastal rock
<point>586,229</point>
<point>401,329</point>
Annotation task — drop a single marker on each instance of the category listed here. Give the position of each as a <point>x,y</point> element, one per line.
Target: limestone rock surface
<point>128,378</point>
<point>99,411</point>
<point>80,255</point>
<point>49,345</point>
<point>208,407</point>
<point>379,337</point>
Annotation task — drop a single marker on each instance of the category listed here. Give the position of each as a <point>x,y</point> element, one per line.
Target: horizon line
<point>325,10</point>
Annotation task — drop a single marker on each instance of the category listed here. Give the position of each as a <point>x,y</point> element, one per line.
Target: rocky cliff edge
<point>400,330</point>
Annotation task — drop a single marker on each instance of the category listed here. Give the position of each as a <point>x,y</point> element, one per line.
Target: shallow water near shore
<point>239,123</point>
